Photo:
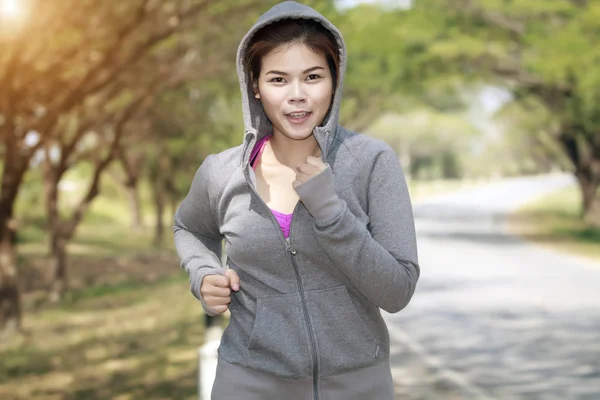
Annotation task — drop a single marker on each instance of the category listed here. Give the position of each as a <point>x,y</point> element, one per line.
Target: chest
<point>274,186</point>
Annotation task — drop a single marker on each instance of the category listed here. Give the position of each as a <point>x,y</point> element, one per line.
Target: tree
<point>86,50</point>
<point>545,50</point>
<point>430,143</point>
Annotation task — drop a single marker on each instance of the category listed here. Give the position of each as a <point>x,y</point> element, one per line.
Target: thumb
<point>234,279</point>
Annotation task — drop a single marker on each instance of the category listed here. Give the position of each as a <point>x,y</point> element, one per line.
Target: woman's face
<point>295,88</point>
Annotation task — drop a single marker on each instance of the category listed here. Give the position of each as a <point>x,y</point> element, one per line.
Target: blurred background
<point>108,107</point>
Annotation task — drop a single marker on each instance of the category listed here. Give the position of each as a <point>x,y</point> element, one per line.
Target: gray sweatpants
<point>234,382</point>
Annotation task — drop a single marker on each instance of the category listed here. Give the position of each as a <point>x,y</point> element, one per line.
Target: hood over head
<point>256,122</point>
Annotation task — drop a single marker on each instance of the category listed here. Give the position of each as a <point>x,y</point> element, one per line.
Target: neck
<point>293,152</point>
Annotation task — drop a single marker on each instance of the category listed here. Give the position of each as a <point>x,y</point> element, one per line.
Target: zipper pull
<point>288,246</point>
<point>327,132</point>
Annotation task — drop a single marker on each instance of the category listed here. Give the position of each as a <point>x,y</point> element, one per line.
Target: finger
<point>296,183</point>
<point>308,169</point>
<point>303,177</point>
<point>217,280</point>
<point>217,300</point>
<point>215,291</point>
<point>234,279</point>
<point>316,162</point>
<point>219,309</point>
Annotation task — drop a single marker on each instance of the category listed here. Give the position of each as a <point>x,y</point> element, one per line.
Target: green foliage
<point>411,78</point>
<point>432,142</point>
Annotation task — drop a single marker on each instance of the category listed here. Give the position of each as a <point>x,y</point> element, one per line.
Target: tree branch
<point>516,28</point>
<point>63,61</point>
<point>93,190</point>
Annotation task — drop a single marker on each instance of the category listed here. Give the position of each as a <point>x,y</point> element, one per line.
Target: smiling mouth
<point>298,115</point>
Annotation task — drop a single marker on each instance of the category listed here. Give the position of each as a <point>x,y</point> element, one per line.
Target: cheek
<point>270,104</point>
<point>271,96</point>
<point>324,97</point>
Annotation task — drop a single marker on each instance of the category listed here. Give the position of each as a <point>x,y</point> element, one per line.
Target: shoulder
<point>217,168</point>
<point>226,160</point>
<point>364,149</point>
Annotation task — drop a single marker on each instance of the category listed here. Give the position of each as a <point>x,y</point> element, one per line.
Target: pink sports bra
<point>285,220</point>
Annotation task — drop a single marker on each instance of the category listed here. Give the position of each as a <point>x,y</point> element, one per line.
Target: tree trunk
<point>10,297</point>
<point>56,241</point>
<point>585,156</point>
<point>135,208</point>
<point>159,209</point>
<point>131,164</point>
<point>590,198</point>
<point>160,198</point>
<point>592,213</point>
<point>174,206</point>
<point>60,277</point>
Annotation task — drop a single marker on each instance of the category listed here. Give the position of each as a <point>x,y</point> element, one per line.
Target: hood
<point>256,122</point>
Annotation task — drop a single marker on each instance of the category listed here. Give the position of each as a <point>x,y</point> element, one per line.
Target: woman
<point>317,223</point>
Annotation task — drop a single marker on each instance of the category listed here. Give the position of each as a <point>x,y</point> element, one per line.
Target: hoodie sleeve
<point>196,233</point>
<point>381,259</point>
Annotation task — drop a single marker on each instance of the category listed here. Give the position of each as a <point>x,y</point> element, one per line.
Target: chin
<point>299,135</point>
<point>296,133</point>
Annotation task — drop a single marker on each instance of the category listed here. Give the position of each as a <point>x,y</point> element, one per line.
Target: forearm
<point>385,279</point>
<point>200,256</point>
<point>381,260</point>
<point>196,234</point>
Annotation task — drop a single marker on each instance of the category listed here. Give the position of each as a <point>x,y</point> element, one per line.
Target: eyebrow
<point>285,73</point>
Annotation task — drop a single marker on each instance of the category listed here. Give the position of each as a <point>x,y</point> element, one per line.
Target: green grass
<point>105,229</point>
<point>555,221</point>
<point>126,341</point>
<point>128,328</point>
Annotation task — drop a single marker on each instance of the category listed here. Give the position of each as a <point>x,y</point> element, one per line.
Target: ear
<point>254,84</point>
<point>255,89</point>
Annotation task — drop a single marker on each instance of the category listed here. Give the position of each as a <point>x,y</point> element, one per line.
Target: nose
<point>297,94</point>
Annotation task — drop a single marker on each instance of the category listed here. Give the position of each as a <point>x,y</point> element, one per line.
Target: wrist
<point>319,197</point>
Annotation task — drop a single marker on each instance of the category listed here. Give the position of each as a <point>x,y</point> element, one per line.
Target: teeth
<point>298,115</point>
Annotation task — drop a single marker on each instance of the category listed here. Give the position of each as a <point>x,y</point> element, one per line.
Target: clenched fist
<point>315,186</point>
<point>216,290</point>
<point>311,168</point>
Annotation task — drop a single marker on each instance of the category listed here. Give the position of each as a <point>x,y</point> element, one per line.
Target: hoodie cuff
<point>196,278</point>
<point>319,197</point>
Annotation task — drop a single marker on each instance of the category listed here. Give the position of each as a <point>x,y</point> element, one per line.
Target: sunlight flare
<point>10,8</point>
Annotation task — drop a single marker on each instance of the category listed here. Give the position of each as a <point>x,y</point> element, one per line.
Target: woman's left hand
<point>311,168</point>
<point>316,189</point>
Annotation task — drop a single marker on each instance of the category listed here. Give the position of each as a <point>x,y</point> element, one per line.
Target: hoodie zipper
<point>290,249</point>
<point>327,132</point>
<point>292,252</point>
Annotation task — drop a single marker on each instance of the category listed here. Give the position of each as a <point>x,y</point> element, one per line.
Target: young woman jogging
<point>317,224</point>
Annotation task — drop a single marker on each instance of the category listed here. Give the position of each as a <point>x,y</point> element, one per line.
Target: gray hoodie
<point>309,306</point>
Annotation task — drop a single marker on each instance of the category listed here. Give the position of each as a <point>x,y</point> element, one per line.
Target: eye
<point>312,77</point>
<point>277,80</point>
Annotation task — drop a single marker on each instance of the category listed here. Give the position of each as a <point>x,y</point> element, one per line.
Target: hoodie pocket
<point>343,340</point>
<point>278,342</point>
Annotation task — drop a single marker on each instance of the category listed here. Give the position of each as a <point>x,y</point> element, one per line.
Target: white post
<point>207,362</point>
<point>208,355</point>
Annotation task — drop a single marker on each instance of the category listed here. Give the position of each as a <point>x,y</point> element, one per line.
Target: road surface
<point>495,317</point>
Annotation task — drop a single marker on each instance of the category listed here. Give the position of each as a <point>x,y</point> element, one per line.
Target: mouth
<point>298,117</point>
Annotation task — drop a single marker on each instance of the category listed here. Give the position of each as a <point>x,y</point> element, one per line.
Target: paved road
<point>495,317</point>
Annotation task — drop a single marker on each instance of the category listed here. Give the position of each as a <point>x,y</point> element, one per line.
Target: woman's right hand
<point>216,290</point>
